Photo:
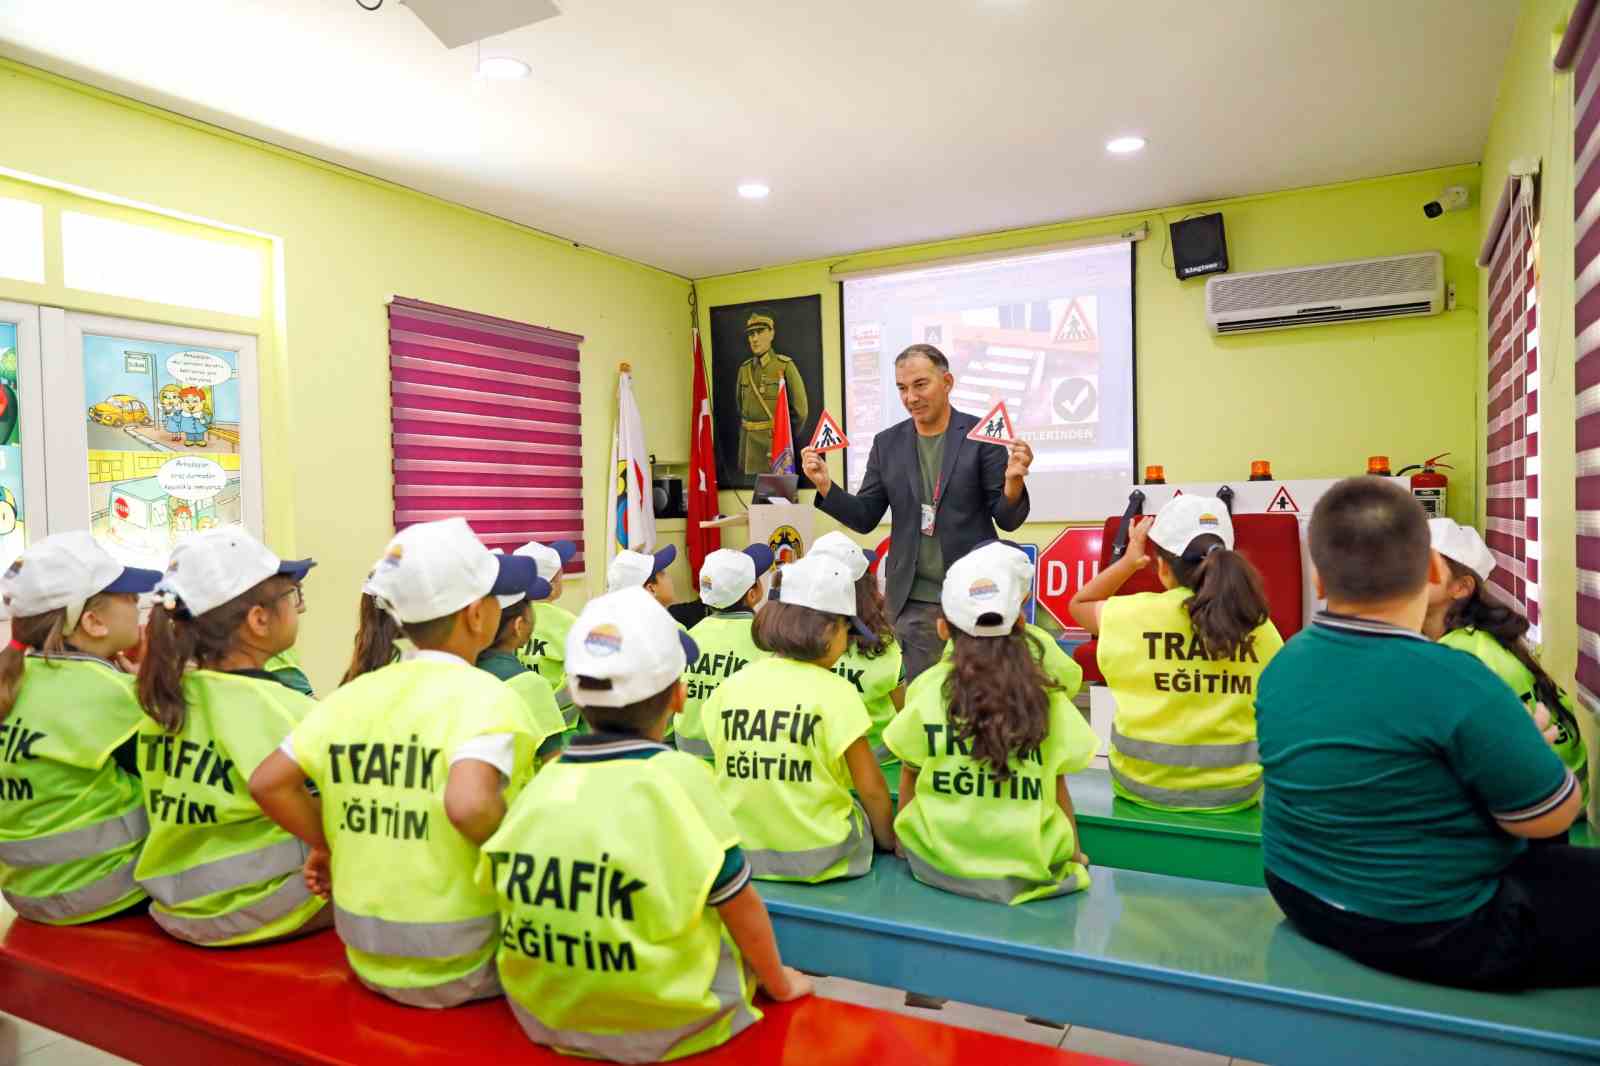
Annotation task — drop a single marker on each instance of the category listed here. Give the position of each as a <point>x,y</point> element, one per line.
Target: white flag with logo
<point>631,516</point>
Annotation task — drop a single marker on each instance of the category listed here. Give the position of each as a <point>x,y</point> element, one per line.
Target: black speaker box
<point>669,498</point>
<point>1199,246</point>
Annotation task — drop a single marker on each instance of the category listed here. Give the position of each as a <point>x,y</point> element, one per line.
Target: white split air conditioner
<point>1395,286</point>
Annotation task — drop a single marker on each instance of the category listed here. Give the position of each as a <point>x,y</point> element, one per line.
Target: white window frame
<point>67,444</point>
<point>30,394</point>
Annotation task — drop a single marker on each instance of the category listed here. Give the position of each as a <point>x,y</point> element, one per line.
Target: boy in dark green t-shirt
<point>1403,779</point>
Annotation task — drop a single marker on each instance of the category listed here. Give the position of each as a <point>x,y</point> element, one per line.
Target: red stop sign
<point>1067,564</point>
<point>120,505</point>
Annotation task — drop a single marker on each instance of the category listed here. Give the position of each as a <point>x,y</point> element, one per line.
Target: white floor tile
<point>1247,1062</point>
<point>1139,1052</point>
<point>19,1036</point>
<point>962,1015</point>
<point>71,1053</point>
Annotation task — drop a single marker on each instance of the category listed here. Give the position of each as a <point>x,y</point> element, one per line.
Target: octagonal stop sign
<point>1067,564</point>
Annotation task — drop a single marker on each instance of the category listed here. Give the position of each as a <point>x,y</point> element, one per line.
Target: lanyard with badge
<point>929,508</point>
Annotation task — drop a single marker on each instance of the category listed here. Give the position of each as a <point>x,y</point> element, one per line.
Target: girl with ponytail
<point>1183,664</point>
<point>871,660</point>
<point>985,742</point>
<point>74,816</point>
<point>1462,615</point>
<point>217,869</point>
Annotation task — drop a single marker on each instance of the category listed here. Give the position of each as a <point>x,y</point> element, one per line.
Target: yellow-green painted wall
<point>1315,401</point>
<point>344,243</point>
<point>1533,119</point>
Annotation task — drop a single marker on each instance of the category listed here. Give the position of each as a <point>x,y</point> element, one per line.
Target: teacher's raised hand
<point>1018,458</point>
<point>815,466</point>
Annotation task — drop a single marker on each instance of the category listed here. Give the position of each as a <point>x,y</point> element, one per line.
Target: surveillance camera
<point>1455,198</point>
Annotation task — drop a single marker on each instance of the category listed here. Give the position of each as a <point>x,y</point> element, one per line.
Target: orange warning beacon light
<point>1261,470</point>
<point>1378,465</point>
<point>1155,475</point>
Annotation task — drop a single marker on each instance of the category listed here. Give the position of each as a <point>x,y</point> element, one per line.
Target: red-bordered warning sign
<point>995,427</point>
<point>828,437</point>
<point>1075,327</point>
<point>1282,502</point>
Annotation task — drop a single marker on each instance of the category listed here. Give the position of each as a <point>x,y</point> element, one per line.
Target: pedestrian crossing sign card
<point>995,427</point>
<point>828,436</point>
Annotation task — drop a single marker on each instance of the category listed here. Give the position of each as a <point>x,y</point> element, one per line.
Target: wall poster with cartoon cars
<point>12,527</point>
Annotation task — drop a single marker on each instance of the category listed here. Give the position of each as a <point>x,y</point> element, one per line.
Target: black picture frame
<point>797,336</point>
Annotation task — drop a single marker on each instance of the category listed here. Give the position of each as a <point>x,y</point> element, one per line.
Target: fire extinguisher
<point>1428,485</point>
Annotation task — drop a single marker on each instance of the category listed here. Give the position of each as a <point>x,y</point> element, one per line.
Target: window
<point>21,240</point>
<point>487,425</point>
<point>21,434</point>
<point>145,263</point>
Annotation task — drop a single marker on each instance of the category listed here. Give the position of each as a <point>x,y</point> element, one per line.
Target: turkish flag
<point>782,433</point>
<point>702,474</point>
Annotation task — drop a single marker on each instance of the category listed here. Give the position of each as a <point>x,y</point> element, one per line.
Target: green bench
<point>1202,964</point>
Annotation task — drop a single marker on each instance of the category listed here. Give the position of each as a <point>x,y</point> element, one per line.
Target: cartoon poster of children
<point>11,526</point>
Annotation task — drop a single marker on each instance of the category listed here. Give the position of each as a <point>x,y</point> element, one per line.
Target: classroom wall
<point>1315,401</point>
<point>343,243</point>
<point>1533,118</point>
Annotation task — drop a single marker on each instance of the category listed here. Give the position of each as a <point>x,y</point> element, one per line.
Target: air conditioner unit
<point>1394,286</point>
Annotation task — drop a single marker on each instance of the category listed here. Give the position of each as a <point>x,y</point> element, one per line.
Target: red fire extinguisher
<point>1428,485</point>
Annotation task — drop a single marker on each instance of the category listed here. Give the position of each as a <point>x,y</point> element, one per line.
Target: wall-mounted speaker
<point>1199,246</point>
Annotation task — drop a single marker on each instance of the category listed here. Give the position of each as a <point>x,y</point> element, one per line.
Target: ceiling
<point>875,122</point>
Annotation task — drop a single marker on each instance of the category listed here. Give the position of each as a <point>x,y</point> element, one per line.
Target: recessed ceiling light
<point>1124,145</point>
<point>754,190</point>
<point>502,68</point>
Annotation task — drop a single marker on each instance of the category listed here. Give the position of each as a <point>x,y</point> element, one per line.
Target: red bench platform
<point>126,987</point>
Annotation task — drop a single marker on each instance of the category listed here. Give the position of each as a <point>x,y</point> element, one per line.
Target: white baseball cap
<point>434,569</point>
<point>551,557</point>
<point>66,570</point>
<point>211,567</point>
<point>820,582</point>
<point>631,569</point>
<point>1462,543</point>
<point>536,591</point>
<point>985,581</point>
<point>727,575</point>
<point>857,560</point>
<point>1184,518</point>
<point>630,640</point>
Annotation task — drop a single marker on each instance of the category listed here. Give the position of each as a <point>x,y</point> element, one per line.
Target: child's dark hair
<point>998,696</point>
<point>633,718</point>
<point>1481,612</point>
<point>377,631</point>
<point>1369,541</point>
<point>176,639</point>
<point>792,631</point>
<point>519,611</point>
<point>874,617</point>
<point>42,632</point>
<point>1228,604</point>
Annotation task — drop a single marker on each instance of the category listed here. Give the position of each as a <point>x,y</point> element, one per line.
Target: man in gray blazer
<point>945,493</point>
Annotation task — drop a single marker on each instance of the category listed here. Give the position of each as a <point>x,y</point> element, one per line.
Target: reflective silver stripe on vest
<point>64,906</point>
<point>881,752</point>
<point>414,940</point>
<point>84,843</point>
<point>569,710</point>
<point>1188,797</point>
<point>693,746</point>
<point>236,871</point>
<point>482,983</point>
<point>810,862</point>
<point>1194,756</point>
<point>289,895</point>
<point>647,1045</point>
<point>1000,889</point>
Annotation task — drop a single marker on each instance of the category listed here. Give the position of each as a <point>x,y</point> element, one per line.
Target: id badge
<point>927,520</point>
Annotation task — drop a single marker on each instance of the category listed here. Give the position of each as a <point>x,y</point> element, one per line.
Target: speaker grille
<point>1325,284</point>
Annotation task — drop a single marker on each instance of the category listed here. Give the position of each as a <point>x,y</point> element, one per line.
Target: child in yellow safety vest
<point>218,870</point>
<point>74,817</point>
<point>730,585</point>
<point>500,659</point>
<point>789,737</point>
<point>415,761</point>
<point>629,929</point>
<point>630,568</point>
<point>871,661</point>
<point>545,649</point>
<point>1461,615</point>
<point>985,742</point>
<point>1058,666</point>
<point>1184,665</point>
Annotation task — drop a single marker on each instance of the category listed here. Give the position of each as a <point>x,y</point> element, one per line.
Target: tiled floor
<point>27,1044</point>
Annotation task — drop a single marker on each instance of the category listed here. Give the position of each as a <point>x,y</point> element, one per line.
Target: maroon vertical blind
<point>1580,52</point>
<point>486,419</point>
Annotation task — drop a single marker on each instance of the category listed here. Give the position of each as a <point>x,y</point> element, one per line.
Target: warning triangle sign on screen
<point>995,427</point>
<point>828,436</point>
<point>1074,325</point>
<point>1282,502</point>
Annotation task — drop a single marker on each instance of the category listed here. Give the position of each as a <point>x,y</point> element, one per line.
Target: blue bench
<point>1201,964</point>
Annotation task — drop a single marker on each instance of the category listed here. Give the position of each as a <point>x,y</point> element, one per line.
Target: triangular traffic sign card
<point>995,427</point>
<point>828,437</point>
<point>1074,325</point>
<point>1282,502</point>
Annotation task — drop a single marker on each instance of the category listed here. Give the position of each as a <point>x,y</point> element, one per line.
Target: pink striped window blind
<point>487,425</point>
